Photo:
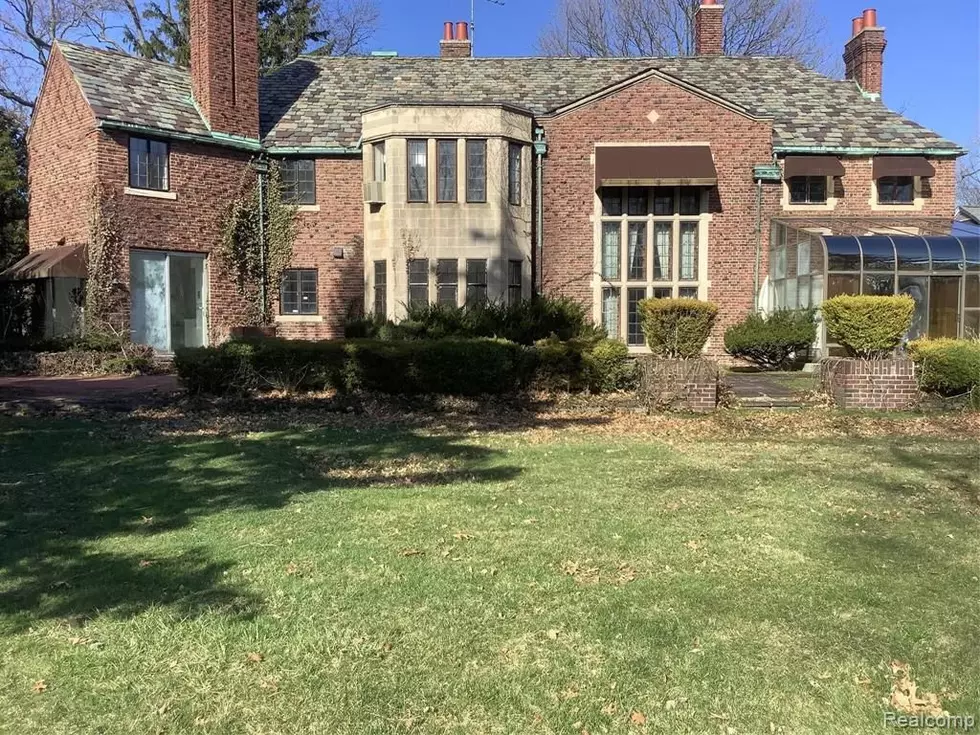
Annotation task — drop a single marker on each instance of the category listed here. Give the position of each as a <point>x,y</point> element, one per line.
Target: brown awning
<point>812,166</point>
<point>654,165</point>
<point>66,261</point>
<point>902,166</point>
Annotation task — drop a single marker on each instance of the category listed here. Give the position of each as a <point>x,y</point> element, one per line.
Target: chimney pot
<point>447,31</point>
<point>857,25</point>
<point>870,18</point>
<point>462,31</point>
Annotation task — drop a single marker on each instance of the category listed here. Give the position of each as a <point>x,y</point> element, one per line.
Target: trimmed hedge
<point>770,341</point>
<point>870,327</point>
<point>947,366</point>
<point>677,327</point>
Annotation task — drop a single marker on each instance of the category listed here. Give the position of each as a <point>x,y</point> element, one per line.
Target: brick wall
<point>205,179</point>
<point>737,143</point>
<point>61,161</point>
<point>339,223</point>
<point>885,385</point>
<point>709,30</point>
<point>864,59</point>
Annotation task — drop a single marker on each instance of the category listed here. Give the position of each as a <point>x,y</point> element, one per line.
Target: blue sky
<point>932,63</point>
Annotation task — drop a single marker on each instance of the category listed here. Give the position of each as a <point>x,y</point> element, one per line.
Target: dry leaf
<point>411,552</point>
<point>291,569</point>
<point>638,718</point>
<point>693,545</point>
<point>145,563</point>
<point>906,697</point>
<point>146,519</point>
<point>40,686</point>
<point>609,709</point>
<point>571,693</point>
<point>553,634</point>
<point>270,683</point>
<point>79,640</point>
<point>254,658</point>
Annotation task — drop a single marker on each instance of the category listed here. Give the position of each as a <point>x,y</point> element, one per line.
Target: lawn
<point>358,578</point>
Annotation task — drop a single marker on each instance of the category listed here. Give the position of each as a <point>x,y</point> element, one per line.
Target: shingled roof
<point>317,101</point>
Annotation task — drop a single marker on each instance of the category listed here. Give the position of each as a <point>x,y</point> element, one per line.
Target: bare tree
<point>666,28</point>
<point>968,178</point>
<point>27,30</point>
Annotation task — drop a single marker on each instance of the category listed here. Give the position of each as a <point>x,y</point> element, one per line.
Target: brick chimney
<point>456,43</point>
<point>864,54</point>
<point>709,29</point>
<point>225,64</point>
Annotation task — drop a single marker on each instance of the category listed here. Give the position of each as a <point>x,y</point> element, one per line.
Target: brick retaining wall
<point>885,385</point>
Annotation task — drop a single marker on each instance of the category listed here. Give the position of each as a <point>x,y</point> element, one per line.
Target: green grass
<point>398,580</point>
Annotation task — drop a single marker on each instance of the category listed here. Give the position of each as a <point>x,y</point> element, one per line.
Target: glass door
<point>168,299</point>
<point>187,328</point>
<point>148,285</point>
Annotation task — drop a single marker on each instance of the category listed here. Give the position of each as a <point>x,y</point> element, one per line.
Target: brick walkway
<point>115,391</point>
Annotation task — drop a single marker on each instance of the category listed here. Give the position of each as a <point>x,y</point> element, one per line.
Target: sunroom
<point>810,262</point>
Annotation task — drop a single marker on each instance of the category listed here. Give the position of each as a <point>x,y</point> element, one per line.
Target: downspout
<point>758,242</point>
<point>540,150</point>
<point>261,166</point>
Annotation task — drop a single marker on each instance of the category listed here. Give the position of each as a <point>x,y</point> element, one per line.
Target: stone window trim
<point>149,144</point>
<point>614,292</point>
<point>150,193</point>
<point>916,205</point>
<point>829,205</point>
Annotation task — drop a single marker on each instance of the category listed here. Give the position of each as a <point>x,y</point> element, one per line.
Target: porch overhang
<point>64,261</point>
<point>654,165</point>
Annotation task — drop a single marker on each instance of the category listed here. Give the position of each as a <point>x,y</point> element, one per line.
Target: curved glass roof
<point>931,253</point>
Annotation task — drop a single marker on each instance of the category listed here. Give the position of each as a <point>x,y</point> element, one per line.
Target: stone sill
<point>299,319</point>
<point>150,193</point>
<point>308,208</point>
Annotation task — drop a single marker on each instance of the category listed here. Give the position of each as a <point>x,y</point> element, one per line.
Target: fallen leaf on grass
<point>693,545</point>
<point>40,686</point>
<point>270,684</point>
<point>411,552</point>
<point>580,572</point>
<point>906,696</point>
<point>638,718</point>
<point>146,519</point>
<point>609,709</point>
<point>553,634</point>
<point>571,693</point>
<point>254,658</point>
<point>145,563</point>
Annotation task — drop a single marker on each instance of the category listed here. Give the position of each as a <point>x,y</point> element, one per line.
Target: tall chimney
<point>864,54</point>
<point>709,29</point>
<point>225,64</point>
<point>456,43</point>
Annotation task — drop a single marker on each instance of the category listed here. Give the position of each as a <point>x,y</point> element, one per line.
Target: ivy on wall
<point>242,237</point>
<point>103,297</point>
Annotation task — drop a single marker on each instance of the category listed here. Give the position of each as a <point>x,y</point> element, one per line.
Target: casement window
<point>447,282</point>
<point>418,170</point>
<point>896,190</point>
<point>515,281</point>
<point>381,287</point>
<point>808,190</point>
<point>476,282</point>
<point>650,246</point>
<point>149,164</point>
<point>380,162</point>
<point>297,294</point>
<point>476,171</point>
<point>298,180</point>
<point>446,171</point>
<point>418,282</point>
<point>515,165</point>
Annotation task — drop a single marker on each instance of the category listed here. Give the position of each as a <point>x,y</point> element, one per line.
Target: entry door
<point>168,299</point>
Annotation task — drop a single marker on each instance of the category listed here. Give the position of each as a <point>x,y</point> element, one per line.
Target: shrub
<point>560,366</point>
<point>677,327</point>
<point>608,367</point>
<point>870,327</point>
<point>947,366</point>
<point>770,341</point>
<point>209,370</point>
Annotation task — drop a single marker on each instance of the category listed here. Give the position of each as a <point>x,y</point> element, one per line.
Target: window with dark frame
<point>298,180</point>
<point>690,200</point>
<point>446,171</point>
<point>149,164</point>
<point>447,282</point>
<point>297,294</point>
<point>515,166</point>
<point>808,190</point>
<point>418,170</point>
<point>515,282</point>
<point>476,171</point>
<point>896,190</point>
<point>380,164</point>
<point>634,329</point>
<point>476,282</point>
<point>381,287</point>
<point>418,282</point>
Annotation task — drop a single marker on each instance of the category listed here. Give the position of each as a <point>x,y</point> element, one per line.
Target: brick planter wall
<point>885,385</point>
<point>679,385</point>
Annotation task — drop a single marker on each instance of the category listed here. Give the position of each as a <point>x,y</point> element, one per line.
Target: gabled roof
<point>317,101</point>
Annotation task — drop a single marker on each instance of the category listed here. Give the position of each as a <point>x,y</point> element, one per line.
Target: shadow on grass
<point>65,485</point>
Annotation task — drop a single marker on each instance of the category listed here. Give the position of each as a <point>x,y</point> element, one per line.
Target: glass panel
<point>380,169</point>
<point>663,233</point>
<point>187,301</point>
<point>803,257</point>
<point>418,282</point>
<point>515,154</point>
<point>612,201</point>
<point>381,287</point>
<point>913,253</point>
<point>611,234</point>
<point>446,171</point>
<point>843,254</point>
<point>971,323</point>
<point>972,247</point>
<point>447,282</point>
<point>515,281</point>
<point>636,234</point>
<point>476,282</point>
<point>918,288</point>
<point>158,166</point>
<point>896,190</point>
<point>690,200</point>
<point>972,299</point>
<point>798,190</point>
<point>148,282</point>
<point>879,284</point>
<point>634,332</point>
<point>803,293</point>
<point>779,263</point>
<point>610,311</point>
<point>663,201</point>
<point>690,292</point>
<point>789,294</point>
<point>637,201</point>
<point>816,290</point>
<point>947,254</point>
<point>841,285</point>
<point>662,293</point>
<point>418,176</point>
<point>476,171</point>
<point>689,251</point>
<point>944,306</point>
<point>879,253</point>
